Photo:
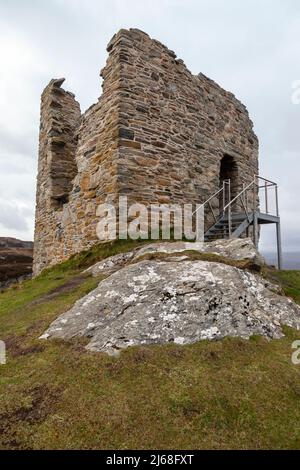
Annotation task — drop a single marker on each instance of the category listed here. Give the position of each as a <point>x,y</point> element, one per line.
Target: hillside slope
<point>231,393</point>
<point>15,259</point>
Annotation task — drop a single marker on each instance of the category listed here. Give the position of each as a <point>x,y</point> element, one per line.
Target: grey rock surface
<point>111,264</point>
<point>182,302</point>
<point>237,249</point>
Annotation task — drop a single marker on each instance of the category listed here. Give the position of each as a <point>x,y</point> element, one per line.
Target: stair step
<point>220,230</point>
<point>215,238</point>
<point>219,227</point>
<point>214,230</point>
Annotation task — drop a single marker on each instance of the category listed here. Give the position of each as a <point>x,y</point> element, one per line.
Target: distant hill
<point>291,260</point>
<point>15,260</point>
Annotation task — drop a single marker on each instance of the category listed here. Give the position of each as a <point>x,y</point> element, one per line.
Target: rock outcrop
<point>235,249</point>
<point>175,300</point>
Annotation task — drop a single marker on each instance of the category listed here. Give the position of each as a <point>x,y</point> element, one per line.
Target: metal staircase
<point>221,229</point>
<point>235,216</point>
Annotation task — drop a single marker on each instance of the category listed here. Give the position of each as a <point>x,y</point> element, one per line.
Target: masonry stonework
<point>158,134</point>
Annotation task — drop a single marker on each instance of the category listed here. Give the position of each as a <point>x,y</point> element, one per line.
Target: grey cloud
<point>12,217</point>
<point>12,142</point>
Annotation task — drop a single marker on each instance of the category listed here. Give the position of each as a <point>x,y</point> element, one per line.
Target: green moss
<point>195,255</point>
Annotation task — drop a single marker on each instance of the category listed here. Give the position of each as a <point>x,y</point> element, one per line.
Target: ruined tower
<point>158,134</point>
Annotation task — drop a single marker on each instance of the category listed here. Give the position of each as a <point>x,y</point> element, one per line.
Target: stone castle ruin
<point>157,134</point>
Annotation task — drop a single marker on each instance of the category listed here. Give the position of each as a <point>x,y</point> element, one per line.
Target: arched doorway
<point>228,171</point>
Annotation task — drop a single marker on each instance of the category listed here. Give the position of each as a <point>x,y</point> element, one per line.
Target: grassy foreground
<point>55,395</point>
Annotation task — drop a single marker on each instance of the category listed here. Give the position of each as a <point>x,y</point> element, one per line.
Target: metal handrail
<point>218,193</point>
<point>243,195</point>
<point>253,182</point>
<point>255,185</point>
<point>239,195</point>
<point>264,179</point>
<point>265,186</point>
<point>252,213</point>
<point>209,199</point>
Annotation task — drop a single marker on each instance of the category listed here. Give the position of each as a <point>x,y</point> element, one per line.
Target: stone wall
<point>181,126</point>
<point>158,134</point>
<point>66,225</point>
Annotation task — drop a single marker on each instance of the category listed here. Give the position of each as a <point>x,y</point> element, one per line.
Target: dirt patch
<point>16,346</point>
<point>68,286</point>
<point>36,326</point>
<point>42,403</point>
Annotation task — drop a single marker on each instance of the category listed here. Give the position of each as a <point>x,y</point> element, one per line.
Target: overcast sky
<point>250,47</point>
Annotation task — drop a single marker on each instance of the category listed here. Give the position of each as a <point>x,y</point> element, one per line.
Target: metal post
<point>229,209</point>
<point>255,234</point>
<point>247,210</point>
<point>224,196</point>
<point>276,198</point>
<point>279,247</point>
<point>266,197</point>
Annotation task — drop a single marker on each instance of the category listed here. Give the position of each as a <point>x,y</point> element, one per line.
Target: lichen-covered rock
<point>111,264</point>
<point>182,302</point>
<point>236,249</point>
